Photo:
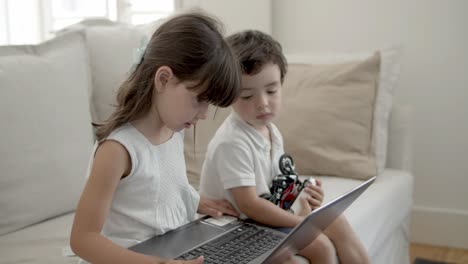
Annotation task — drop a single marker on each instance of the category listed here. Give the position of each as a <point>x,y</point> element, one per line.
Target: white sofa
<point>50,93</point>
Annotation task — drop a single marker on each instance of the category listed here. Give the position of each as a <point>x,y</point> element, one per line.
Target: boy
<point>242,157</point>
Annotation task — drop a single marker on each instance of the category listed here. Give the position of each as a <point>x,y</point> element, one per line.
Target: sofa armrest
<point>399,150</point>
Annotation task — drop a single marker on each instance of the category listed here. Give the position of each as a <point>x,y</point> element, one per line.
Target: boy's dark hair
<point>255,49</point>
<point>193,46</point>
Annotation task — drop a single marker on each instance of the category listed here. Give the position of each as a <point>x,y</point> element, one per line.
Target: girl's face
<point>260,97</point>
<point>178,107</point>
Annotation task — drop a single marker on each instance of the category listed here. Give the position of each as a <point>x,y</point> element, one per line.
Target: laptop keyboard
<point>240,245</point>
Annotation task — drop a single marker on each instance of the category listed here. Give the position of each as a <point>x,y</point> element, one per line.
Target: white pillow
<point>111,47</point>
<point>111,52</point>
<point>389,72</point>
<point>46,129</point>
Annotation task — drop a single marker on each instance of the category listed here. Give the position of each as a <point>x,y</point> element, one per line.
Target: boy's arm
<point>234,164</point>
<point>261,210</point>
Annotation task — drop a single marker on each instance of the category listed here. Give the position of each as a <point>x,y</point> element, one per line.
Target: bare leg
<point>348,246</point>
<point>320,251</point>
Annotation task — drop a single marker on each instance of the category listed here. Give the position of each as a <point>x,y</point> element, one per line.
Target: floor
<point>450,255</point>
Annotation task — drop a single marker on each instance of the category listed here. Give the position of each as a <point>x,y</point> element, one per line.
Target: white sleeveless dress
<point>156,196</point>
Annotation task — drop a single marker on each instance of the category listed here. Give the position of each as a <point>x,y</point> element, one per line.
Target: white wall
<point>238,15</point>
<point>434,81</point>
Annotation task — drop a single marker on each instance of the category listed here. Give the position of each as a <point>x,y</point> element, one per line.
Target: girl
<point>137,186</point>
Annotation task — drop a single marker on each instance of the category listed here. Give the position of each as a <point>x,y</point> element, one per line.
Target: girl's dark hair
<point>255,49</point>
<point>192,45</point>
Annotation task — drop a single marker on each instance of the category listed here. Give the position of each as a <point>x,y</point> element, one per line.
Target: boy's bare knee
<point>321,250</point>
<point>356,256</point>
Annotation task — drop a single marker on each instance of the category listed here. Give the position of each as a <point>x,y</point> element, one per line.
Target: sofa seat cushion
<point>39,244</point>
<point>375,215</point>
<point>380,210</point>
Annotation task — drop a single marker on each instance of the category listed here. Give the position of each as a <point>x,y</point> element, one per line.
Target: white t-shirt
<point>156,196</point>
<point>238,155</point>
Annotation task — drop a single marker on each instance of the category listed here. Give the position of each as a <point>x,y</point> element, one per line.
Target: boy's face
<point>260,97</point>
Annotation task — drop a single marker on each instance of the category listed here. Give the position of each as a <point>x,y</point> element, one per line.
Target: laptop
<point>232,240</point>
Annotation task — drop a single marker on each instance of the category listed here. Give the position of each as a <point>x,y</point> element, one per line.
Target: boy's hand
<point>305,206</point>
<point>315,194</point>
<point>216,208</point>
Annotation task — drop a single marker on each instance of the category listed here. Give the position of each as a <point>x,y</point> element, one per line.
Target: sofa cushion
<point>380,210</point>
<point>329,110</point>
<point>109,70</point>
<point>42,243</point>
<point>104,41</point>
<point>46,130</point>
<point>375,216</point>
<point>388,76</point>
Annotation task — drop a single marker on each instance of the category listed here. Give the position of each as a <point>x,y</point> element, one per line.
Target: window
<point>33,21</point>
<point>144,11</point>
<point>19,22</point>
<point>67,12</point>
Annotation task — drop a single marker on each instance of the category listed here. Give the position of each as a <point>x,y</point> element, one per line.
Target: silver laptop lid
<point>313,225</point>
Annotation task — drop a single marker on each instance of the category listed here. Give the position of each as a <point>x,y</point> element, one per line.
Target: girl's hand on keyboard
<point>198,260</point>
<point>216,208</point>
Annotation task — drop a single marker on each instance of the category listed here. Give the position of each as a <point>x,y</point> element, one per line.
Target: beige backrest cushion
<point>46,129</point>
<point>327,118</point>
<point>390,61</point>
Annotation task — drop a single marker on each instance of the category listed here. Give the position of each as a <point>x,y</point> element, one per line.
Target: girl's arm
<point>111,162</point>
<point>262,210</point>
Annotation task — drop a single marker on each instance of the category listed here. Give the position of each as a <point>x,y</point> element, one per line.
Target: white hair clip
<point>140,51</point>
